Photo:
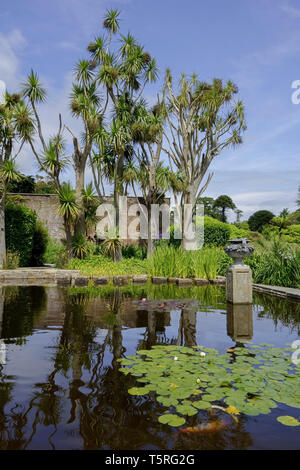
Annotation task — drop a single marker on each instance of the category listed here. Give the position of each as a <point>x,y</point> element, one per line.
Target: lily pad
<point>171,420</point>
<point>288,421</point>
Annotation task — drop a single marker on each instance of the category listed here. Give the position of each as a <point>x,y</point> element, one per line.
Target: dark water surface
<point>60,384</point>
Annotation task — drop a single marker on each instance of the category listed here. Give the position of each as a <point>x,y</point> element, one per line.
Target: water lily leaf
<point>202,405</point>
<point>288,421</point>
<point>138,391</point>
<point>171,420</point>
<point>186,408</point>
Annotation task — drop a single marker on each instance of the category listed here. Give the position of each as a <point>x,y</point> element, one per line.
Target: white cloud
<point>10,45</point>
<point>290,10</point>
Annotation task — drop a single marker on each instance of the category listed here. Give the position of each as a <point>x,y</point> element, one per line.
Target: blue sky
<point>256,43</point>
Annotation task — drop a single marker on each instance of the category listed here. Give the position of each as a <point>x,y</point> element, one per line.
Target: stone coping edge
<point>281,292</point>
<point>64,277</point>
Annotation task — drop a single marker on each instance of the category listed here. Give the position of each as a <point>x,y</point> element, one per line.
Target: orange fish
<point>205,428</point>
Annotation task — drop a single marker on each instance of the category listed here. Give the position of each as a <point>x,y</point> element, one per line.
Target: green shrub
<point>56,254</point>
<point>236,232</point>
<point>291,234</point>
<point>133,251</point>
<point>259,219</point>
<point>40,241</point>
<point>216,233</point>
<point>20,223</point>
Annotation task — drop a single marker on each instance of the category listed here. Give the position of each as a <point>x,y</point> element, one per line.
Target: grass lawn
<point>101,266</point>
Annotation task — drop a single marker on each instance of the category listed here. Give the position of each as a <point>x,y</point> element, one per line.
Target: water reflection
<point>77,397</point>
<point>240,322</point>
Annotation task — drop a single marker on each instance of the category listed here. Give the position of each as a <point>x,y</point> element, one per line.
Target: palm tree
<point>123,74</point>
<point>90,203</point>
<point>69,210</point>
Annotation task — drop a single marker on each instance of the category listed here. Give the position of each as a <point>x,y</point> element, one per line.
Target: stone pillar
<point>239,284</point>
<point>239,276</point>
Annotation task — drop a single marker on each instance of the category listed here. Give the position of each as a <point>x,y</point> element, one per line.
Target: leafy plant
<point>80,248</point>
<point>12,260</point>
<point>112,245</point>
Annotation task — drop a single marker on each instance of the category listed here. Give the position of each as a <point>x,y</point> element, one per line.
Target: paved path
<point>285,292</point>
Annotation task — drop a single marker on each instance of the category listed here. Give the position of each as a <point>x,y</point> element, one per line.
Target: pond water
<point>60,380</point>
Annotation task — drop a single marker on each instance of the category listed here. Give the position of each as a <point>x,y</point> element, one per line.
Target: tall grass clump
<point>207,263</point>
<point>168,261</point>
<point>279,265</point>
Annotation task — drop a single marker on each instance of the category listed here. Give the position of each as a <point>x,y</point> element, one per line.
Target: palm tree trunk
<point>68,237</point>
<point>2,231</point>
<point>187,244</point>
<point>79,228</point>
<point>150,241</point>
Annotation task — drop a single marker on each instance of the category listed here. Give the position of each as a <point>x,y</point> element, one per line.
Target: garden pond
<point>147,367</point>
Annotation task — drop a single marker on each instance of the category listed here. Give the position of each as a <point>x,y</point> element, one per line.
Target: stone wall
<point>46,207</point>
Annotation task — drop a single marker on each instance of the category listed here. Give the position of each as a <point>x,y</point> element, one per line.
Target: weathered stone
<point>159,280</point>
<point>172,280</point>
<point>13,274</point>
<point>218,282</point>
<point>100,281</point>
<point>81,281</point>
<point>199,281</point>
<point>63,280</point>
<point>184,281</point>
<point>120,280</point>
<point>239,284</point>
<point>142,279</point>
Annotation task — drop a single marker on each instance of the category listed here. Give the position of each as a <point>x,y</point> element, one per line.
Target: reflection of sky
<point>255,43</point>
<point>33,362</point>
<point>29,365</point>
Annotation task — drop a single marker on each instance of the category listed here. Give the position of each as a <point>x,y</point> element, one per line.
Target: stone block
<point>184,282</point>
<point>239,284</point>
<point>142,279</point>
<point>81,281</point>
<point>63,281</point>
<point>172,280</point>
<point>100,281</point>
<point>120,280</point>
<point>159,280</point>
<point>199,281</point>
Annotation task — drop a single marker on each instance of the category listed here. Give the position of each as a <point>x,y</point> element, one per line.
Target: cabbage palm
<point>90,203</point>
<point>123,74</point>
<point>202,119</point>
<point>69,210</point>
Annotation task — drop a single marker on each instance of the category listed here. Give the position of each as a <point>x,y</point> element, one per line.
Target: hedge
<point>40,241</point>
<point>20,225</point>
<point>25,235</point>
